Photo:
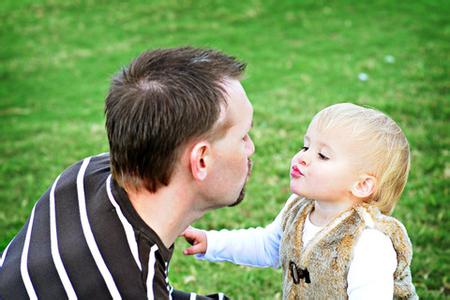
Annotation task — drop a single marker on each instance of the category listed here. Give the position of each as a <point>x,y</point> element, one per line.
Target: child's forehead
<point>318,130</point>
<point>332,137</point>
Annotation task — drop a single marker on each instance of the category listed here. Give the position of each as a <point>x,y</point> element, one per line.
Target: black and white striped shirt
<point>85,240</point>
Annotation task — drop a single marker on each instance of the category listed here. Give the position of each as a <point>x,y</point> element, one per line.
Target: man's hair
<point>162,100</point>
<point>385,148</point>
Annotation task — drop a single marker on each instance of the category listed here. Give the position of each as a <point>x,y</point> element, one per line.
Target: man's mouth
<point>249,169</point>
<point>295,172</point>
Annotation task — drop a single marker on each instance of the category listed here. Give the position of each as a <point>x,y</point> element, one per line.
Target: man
<point>177,123</point>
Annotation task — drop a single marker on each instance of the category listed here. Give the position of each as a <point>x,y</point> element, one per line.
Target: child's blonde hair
<point>387,148</point>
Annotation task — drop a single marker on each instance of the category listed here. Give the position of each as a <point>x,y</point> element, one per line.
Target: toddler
<point>334,238</point>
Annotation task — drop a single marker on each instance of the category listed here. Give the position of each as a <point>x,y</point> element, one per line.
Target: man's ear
<point>199,160</point>
<point>364,187</point>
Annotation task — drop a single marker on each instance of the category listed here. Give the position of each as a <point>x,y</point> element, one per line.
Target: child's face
<point>325,168</point>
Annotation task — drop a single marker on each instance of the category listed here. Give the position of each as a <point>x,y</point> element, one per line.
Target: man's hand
<point>197,238</point>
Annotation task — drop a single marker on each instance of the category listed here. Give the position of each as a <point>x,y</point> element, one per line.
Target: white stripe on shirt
<point>54,247</point>
<point>129,232</point>
<point>170,292</point>
<point>89,236</point>
<point>24,260</point>
<point>151,272</point>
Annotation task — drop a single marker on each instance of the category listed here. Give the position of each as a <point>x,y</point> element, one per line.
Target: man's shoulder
<point>90,165</point>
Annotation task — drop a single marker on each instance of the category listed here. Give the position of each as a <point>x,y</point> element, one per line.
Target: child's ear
<point>199,158</point>
<point>364,187</point>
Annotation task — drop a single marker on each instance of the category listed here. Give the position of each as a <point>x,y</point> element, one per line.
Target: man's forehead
<point>223,114</point>
<point>237,105</point>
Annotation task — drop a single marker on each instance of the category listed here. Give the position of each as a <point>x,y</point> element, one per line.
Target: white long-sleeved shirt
<point>371,270</point>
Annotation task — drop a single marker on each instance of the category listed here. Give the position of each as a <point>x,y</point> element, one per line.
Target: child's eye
<point>323,157</point>
<point>304,148</point>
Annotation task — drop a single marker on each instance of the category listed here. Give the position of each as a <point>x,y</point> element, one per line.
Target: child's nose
<point>302,159</point>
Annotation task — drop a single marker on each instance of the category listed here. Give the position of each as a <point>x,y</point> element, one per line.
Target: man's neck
<point>168,212</point>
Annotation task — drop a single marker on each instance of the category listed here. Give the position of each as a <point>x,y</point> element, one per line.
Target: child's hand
<point>197,238</point>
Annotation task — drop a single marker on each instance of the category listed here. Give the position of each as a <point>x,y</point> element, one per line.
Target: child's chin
<point>297,191</point>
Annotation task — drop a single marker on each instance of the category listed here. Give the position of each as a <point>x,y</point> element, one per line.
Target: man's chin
<point>242,193</point>
<point>239,199</point>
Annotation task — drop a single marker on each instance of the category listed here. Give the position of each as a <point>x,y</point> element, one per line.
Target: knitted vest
<point>319,271</point>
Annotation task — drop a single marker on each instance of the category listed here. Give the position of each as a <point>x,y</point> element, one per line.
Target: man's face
<point>231,154</point>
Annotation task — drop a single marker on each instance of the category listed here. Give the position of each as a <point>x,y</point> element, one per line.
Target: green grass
<point>56,61</point>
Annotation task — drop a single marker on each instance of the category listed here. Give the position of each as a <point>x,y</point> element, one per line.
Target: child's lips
<point>295,172</point>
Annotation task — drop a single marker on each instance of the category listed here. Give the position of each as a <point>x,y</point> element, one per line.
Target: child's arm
<point>371,272</point>
<point>256,247</point>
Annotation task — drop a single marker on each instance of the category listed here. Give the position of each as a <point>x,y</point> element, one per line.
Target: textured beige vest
<point>319,271</point>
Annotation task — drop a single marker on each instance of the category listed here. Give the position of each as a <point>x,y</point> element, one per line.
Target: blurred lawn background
<point>57,58</point>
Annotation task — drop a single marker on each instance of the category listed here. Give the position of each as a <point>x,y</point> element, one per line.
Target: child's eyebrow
<point>322,145</point>
<point>326,147</point>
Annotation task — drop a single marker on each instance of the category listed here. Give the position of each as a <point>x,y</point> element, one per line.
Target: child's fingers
<point>191,239</point>
<point>187,230</point>
<point>196,249</point>
<point>190,233</point>
<point>193,236</point>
